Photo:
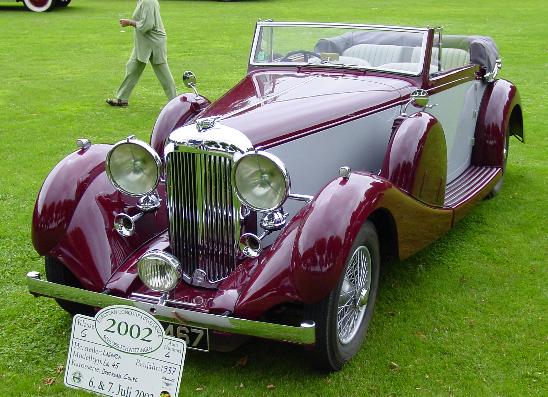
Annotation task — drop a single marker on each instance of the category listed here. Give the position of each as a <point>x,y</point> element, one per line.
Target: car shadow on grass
<point>16,7</point>
<point>257,356</point>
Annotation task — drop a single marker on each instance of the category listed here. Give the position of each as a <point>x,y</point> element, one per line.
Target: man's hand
<point>127,22</point>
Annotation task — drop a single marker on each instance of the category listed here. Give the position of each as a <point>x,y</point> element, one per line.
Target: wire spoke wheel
<point>354,295</point>
<point>343,316</point>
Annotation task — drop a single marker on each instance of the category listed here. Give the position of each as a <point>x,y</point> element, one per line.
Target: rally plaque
<point>124,352</point>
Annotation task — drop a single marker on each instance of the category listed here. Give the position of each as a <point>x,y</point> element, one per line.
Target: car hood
<point>272,107</point>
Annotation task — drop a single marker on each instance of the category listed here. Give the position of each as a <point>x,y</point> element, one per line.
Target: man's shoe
<point>116,102</point>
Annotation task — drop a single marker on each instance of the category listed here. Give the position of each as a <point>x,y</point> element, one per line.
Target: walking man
<point>149,45</point>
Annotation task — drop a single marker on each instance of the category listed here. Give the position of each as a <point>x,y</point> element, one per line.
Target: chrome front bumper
<point>305,334</point>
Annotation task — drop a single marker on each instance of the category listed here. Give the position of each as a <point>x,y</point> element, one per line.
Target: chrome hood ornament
<point>206,123</point>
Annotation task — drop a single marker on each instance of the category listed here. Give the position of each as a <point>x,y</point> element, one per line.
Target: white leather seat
<point>451,58</point>
<point>375,54</point>
<point>352,61</point>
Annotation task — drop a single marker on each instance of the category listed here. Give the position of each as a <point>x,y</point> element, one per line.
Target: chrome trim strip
<point>219,138</point>
<point>344,25</point>
<point>305,334</point>
<point>300,197</point>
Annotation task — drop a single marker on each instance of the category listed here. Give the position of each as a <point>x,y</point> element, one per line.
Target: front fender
<point>305,262</point>
<point>61,192</point>
<point>74,216</point>
<point>177,112</point>
<point>328,229</point>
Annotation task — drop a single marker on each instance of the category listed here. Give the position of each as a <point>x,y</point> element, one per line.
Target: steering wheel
<point>307,55</point>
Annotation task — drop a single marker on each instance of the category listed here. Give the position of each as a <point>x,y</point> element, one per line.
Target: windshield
<point>334,45</point>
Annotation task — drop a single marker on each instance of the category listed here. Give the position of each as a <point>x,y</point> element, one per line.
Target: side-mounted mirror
<point>419,98</point>
<point>189,80</point>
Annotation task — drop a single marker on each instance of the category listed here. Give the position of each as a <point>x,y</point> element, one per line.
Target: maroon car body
<point>408,184</point>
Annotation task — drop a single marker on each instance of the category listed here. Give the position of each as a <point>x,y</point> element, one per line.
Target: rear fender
<point>179,111</point>
<point>500,111</point>
<point>416,159</point>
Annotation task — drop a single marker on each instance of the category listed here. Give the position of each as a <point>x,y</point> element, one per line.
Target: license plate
<point>196,338</point>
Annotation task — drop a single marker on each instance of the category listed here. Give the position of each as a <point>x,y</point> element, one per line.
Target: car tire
<point>56,272</point>
<point>39,5</point>
<point>497,188</point>
<point>335,343</point>
<point>62,3</point>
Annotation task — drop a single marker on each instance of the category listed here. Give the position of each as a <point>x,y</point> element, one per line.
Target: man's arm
<point>145,21</point>
<point>128,22</point>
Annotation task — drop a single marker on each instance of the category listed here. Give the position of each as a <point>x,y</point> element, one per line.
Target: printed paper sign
<point>123,352</point>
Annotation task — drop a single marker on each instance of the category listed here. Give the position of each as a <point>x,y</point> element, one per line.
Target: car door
<point>456,95</point>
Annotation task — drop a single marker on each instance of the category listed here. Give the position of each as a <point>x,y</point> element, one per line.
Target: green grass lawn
<point>465,317</point>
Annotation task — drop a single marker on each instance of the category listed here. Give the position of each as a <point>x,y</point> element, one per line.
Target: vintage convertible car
<point>268,212</point>
<point>43,5</point>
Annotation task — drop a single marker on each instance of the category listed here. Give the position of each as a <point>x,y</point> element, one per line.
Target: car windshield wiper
<point>329,64</point>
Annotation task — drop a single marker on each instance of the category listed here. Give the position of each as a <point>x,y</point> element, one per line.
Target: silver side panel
<point>314,160</point>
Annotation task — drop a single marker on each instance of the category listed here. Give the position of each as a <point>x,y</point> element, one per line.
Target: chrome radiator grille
<point>203,211</point>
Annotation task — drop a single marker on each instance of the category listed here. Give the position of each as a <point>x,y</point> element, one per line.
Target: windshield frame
<point>327,25</point>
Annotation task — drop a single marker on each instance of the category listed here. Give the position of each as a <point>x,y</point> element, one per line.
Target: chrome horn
<point>125,224</point>
<point>250,245</point>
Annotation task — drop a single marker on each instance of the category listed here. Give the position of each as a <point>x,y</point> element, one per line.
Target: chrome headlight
<point>261,181</point>
<point>133,167</point>
<point>159,271</point>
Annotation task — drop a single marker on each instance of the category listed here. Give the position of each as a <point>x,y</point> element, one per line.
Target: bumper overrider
<point>305,334</point>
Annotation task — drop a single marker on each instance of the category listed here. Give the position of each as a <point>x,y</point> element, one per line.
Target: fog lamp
<point>159,271</point>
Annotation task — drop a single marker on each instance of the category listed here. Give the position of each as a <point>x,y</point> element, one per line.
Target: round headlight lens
<point>261,181</point>
<point>133,167</point>
<point>159,271</point>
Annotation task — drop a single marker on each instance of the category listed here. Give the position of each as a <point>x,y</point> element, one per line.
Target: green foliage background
<point>465,317</point>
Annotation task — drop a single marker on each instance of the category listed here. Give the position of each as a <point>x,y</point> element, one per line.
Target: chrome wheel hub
<point>354,295</point>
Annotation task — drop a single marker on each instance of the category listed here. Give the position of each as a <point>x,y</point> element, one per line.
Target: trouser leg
<point>166,79</point>
<point>134,69</point>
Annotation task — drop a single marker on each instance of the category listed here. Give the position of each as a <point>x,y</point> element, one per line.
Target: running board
<point>471,186</point>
